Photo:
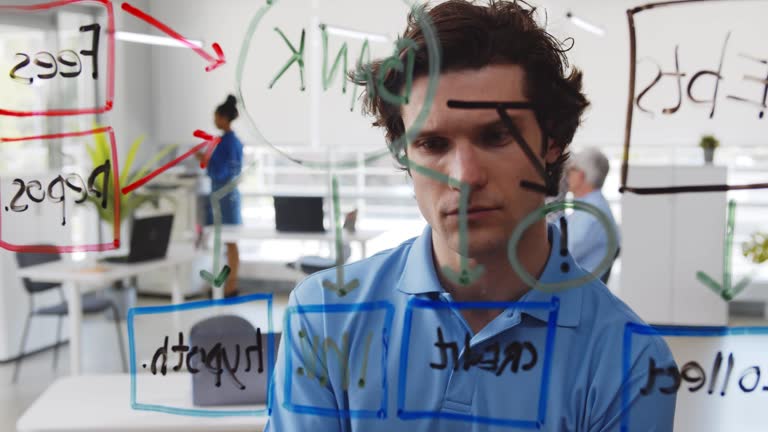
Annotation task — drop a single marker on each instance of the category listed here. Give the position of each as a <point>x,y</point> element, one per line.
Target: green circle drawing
<point>542,212</point>
<point>433,48</point>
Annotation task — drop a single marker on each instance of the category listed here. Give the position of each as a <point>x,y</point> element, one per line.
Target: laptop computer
<point>299,214</point>
<point>149,240</point>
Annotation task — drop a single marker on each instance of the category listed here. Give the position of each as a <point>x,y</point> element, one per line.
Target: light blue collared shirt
<point>392,355</point>
<point>587,240</point>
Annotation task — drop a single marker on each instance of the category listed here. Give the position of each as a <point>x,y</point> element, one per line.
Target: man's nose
<point>467,166</point>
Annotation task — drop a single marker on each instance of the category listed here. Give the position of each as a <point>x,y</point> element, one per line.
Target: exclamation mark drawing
<point>363,372</point>
<point>564,267</point>
<point>308,357</point>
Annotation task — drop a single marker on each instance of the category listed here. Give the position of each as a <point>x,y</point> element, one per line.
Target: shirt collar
<point>419,277</point>
<point>593,196</point>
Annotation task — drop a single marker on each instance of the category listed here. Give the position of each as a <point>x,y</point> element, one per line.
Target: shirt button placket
<point>461,383</point>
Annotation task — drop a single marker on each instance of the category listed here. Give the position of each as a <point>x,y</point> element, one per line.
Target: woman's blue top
<point>226,161</point>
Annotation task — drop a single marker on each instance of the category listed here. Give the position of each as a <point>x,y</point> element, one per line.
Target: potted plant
<point>756,249</point>
<point>128,203</point>
<point>709,143</point>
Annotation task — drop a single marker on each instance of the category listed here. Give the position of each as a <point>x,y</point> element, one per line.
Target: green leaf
<point>102,148</point>
<point>99,152</point>
<point>129,159</point>
<point>93,150</point>
<point>151,163</point>
<point>756,248</point>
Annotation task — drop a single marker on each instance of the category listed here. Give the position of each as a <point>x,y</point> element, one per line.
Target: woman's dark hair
<point>228,109</point>
<point>472,36</point>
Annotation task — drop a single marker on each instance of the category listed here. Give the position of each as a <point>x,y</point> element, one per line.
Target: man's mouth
<point>474,211</point>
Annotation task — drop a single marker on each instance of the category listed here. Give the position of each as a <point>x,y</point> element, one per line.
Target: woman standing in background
<point>224,166</point>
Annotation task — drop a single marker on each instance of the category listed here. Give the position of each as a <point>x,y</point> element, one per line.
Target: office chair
<point>313,263</point>
<point>91,304</point>
<point>607,274</point>
<point>222,335</point>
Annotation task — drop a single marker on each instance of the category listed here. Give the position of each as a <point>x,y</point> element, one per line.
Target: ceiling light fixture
<point>153,40</point>
<point>355,34</point>
<point>585,25</point>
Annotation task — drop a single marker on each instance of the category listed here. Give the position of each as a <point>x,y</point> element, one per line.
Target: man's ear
<point>581,176</point>
<point>553,151</point>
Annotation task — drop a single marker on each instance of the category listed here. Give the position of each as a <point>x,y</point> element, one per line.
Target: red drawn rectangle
<point>115,243</point>
<point>110,82</point>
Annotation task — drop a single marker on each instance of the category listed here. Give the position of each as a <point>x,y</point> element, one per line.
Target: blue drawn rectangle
<point>537,423</point>
<point>632,329</point>
<point>153,310</point>
<point>304,310</point>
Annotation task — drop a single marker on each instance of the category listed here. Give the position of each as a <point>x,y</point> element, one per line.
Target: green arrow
<point>726,291</point>
<point>216,281</point>
<point>216,198</point>
<point>339,287</point>
<point>465,276</point>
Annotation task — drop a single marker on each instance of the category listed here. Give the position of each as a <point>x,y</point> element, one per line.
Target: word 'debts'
<point>513,355</point>
<point>216,359</point>
<point>71,65</point>
<point>693,373</point>
<point>715,76</point>
<point>56,190</point>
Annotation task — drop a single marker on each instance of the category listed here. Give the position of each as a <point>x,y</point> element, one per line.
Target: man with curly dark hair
<point>442,332</point>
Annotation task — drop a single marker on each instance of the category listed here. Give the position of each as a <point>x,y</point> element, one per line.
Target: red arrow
<point>210,141</point>
<point>213,62</point>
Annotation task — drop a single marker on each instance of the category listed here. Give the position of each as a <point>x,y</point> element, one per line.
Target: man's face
<point>576,178</point>
<point>474,147</point>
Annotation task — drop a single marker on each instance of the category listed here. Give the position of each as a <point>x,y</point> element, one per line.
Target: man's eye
<point>496,137</point>
<point>432,144</point>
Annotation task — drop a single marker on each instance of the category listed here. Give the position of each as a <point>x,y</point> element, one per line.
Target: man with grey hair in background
<point>587,239</point>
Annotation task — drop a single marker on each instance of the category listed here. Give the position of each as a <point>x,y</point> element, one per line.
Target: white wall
<point>132,115</point>
<point>185,95</point>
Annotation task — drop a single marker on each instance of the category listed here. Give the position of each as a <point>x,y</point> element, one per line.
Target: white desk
<point>101,403</point>
<point>84,276</point>
<point>231,234</point>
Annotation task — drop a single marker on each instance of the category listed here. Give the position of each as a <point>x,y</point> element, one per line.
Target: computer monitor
<point>299,214</point>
